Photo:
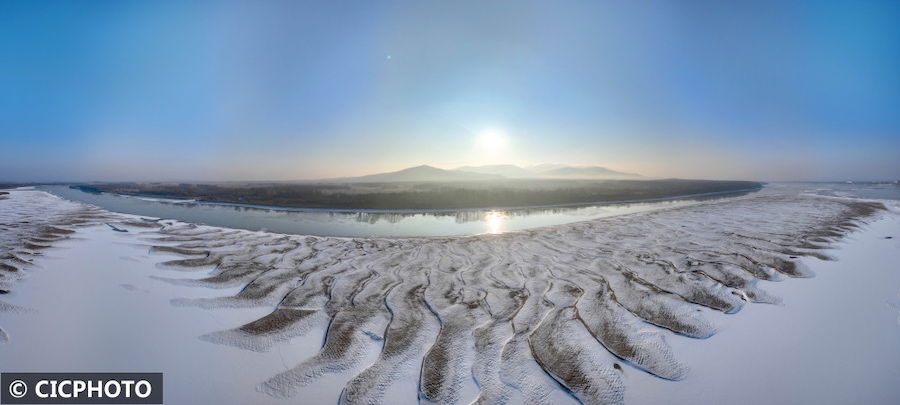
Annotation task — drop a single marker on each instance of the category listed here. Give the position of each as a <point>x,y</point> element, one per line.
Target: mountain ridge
<point>426,173</point>
<point>421,173</point>
<point>551,170</point>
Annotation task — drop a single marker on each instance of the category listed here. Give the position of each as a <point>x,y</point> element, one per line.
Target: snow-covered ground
<point>834,339</point>
<point>639,308</point>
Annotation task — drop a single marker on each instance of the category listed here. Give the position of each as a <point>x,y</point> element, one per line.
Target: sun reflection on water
<point>495,221</point>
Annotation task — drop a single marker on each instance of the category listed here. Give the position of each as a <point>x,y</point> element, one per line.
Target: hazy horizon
<point>536,176</point>
<point>219,91</point>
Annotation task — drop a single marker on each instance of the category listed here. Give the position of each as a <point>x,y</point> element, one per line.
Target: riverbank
<point>430,196</point>
<point>364,224</point>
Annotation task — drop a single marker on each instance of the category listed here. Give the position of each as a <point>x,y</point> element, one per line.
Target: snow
<point>581,311</point>
<point>835,339</point>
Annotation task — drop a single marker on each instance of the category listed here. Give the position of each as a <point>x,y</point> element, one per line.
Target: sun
<point>492,141</point>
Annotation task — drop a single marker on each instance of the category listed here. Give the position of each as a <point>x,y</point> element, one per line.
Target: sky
<point>272,90</point>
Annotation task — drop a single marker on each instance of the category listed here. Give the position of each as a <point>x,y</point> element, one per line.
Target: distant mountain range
<point>423,173</point>
<point>426,173</point>
<point>511,171</point>
<point>589,172</point>
<point>554,171</point>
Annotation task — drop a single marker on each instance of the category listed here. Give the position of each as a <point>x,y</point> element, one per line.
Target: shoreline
<point>724,194</point>
<point>429,196</point>
<point>350,225</point>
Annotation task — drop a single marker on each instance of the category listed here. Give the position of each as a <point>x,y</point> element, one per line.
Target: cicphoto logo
<point>81,388</point>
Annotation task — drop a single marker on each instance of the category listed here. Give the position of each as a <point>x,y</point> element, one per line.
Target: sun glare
<point>495,221</point>
<point>492,141</point>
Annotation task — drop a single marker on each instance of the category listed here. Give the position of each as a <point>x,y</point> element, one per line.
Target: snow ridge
<point>530,311</point>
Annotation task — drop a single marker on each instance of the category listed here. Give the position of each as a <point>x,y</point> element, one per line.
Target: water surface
<point>365,223</point>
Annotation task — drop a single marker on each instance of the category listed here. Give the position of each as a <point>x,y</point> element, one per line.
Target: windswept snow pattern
<point>30,222</point>
<point>519,316</point>
<point>537,311</point>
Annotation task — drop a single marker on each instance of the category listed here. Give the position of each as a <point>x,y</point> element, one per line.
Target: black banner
<point>81,388</point>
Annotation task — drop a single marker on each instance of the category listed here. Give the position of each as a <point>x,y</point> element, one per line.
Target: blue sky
<point>268,90</point>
